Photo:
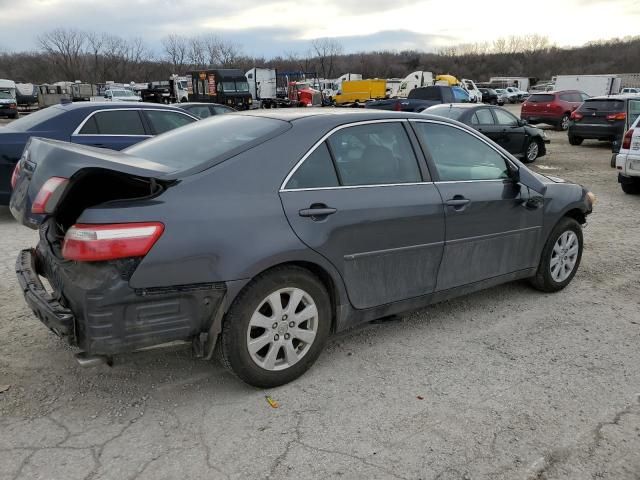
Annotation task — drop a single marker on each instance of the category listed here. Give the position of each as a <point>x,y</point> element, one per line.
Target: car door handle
<point>317,211</point>
<point>458,203</point>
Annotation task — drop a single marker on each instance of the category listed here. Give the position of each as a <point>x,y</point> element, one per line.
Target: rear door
<point>489,231</point>
<point>114,128</point>
<point>363,199</point>
<point>162,121</point>
<point>484,121</point>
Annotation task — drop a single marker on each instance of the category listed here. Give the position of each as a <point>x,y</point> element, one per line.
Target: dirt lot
<point>505,384</point>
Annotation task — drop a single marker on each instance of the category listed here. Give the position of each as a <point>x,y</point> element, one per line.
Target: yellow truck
<point>358,91</point>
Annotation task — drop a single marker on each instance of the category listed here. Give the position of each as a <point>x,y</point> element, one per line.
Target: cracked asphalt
<point>504,384</point>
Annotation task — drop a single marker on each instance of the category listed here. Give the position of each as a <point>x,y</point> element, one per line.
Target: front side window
<point>200,111</point>
<point>316,171</point>
<point>459,155</point>
<point>163,121</point>
<point>116,122</point>
<point>505,118</point>
<point>374,154</point>
<point>219,110</point>
<point>634,111</point>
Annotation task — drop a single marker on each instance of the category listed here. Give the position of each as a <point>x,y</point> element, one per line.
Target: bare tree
<point>326,51</point>
<point>198,52</point>
<point>228,53</point>
<point>66,48</point>
<point>176,47</point>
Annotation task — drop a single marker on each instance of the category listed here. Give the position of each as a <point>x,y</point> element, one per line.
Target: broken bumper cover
<point>94,308</point>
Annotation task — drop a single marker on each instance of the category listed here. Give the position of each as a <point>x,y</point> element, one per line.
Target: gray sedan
<point>262,233</point>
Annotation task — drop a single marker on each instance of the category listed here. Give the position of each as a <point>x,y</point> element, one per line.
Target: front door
<point>491,230</point>
<point>362,200</point>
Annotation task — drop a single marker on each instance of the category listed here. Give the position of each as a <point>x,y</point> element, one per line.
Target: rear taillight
<point>576,116</point>
<point>397,106</point>
<point>97,243</point>
<point>617,116</point>
<point>15,175</point>
<point>626,142</point>
<point>49,195</point>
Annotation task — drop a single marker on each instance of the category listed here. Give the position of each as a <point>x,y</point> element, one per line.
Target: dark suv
<point>603,118</point>
<point>554,108</point>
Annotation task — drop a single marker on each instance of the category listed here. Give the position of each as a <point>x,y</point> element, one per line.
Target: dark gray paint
<point>228,224</point>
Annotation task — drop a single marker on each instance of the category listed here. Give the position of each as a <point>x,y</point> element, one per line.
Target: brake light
<point>617,116</point>
<point>397,106</point>
<point>15,175</point>
<point>97,243</point>
<point>626,142</point>
<point>49,195</point>
<point>576,116</point>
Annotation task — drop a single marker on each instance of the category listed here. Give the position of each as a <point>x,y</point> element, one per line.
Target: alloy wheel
<point>564,256</point>
<point>282,329</point>
<point>532,151</point>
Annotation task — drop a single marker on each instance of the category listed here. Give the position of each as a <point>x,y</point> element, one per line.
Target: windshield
<point>35,119</point>
<point>6,95</point>
<point>242,86</point>
<point>500,90</point>
<point>447,111</point>
<point>541,98</point>
<point>207,140</point>
<point>228,86</point>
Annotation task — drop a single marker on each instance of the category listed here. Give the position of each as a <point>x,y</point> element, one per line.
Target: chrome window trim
<point>475,134</point>
<point>319,142</point>
<point>351,187</point>
<point>134,108</point>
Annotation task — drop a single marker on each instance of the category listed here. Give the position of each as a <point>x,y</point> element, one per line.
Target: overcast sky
<point>270,28</point>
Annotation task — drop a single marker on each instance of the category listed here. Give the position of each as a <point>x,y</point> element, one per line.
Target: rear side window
<point>163,121</point>
<point>374,154</point>
<point>603,106</point>
<point>201,111</point>
<point>447,111</point>
<point>316,171</point>
<point>208,141</point>
<point>634,111</point>
<point>220,110</point>
<point>541,98</point>
<point>567,97</point>
<point>36,120</point>
<point>115,122</point>
<point>482,117</point>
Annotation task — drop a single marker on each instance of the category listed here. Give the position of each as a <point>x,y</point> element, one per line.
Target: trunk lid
<point>601,112</point>
<point>95,176</point>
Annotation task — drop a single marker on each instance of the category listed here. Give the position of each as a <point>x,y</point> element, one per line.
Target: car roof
<point>620,96</point>
<point>89,106</point>
<point>337,116</point>
<point>465,106</point>
<point>189,104</point>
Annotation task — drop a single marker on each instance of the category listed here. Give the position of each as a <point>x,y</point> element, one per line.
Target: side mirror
<point>522,123</point>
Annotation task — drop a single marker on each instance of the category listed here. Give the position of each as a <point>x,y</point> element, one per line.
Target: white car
<point>630,91</point>
<point>121,95</point>
<point>628,160</point>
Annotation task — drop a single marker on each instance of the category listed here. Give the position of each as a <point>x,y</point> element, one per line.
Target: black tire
<point>538,143</point>
<point>14,116</point>
<point>573,140</point>
<point>543,279</point>
<point>234,353</point>
<point>631,188</point>
<point>563,124</point>
<point>493,101</point>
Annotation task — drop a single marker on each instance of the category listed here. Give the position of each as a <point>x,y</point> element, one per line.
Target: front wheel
<point>276,328</point>
<point>560,257</point>
<point>533,151</point>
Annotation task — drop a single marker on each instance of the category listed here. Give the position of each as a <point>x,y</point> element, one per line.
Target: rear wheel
<point>560,257</point>
<point>276,328</point>
<point>573,140</point>
<point>564,122</point>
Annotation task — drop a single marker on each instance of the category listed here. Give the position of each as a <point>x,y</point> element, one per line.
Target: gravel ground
<point>504,384</point>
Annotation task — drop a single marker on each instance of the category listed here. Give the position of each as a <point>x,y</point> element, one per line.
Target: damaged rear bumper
<point>93,307</point>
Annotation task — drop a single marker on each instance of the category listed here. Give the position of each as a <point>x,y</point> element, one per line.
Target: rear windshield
<point>446,111</point>
<point>603,105</point>
<point>35,119</point>
<point>215,138</point>
<point>425,93</point>
<point>541,98</point>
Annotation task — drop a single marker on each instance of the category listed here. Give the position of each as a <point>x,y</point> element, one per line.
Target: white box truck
<point>593,85</point>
